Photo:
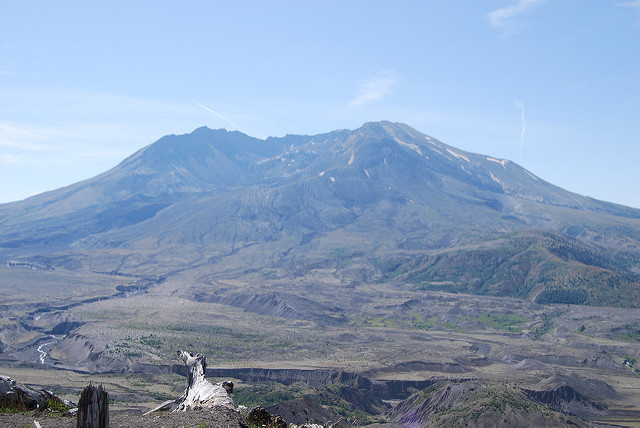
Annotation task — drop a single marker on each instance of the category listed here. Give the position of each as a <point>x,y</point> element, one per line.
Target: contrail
<point>219,115</point>
<point>520,105</point>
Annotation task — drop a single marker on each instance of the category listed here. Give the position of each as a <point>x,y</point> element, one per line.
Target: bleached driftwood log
<point>201,393</point>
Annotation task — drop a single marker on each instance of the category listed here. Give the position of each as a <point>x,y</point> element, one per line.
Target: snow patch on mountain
<point>502,162</point>
<point>494,178</point>
<point>458,155</point>
<point>408,145</point>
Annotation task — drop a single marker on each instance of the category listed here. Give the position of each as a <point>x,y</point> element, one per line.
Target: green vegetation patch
<point>410,321</point>
<point>56,405</point>
<point>13,409</point>
<point>482,399</point>
<point>266,394</point>
<point>503,321</point>
<point>546,327</point>
<point>451,326</point>
<point>151,341</point>
<point>329,398</point>
<point>628,333</point>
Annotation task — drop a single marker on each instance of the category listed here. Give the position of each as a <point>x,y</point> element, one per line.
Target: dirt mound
<point>528,364</point>
<point>590,387</point>
<point>285,306</point>
<point>602,363</point>
<point>512,358</point>
<point>476,404</point>
<point>303,410</point>
<point>574,395</point>
<point>362,400</point>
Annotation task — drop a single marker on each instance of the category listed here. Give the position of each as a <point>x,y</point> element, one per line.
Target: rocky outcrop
<point>312,378</point>
<point>304,412</point>
<point>14,395</point>
<point>260,417</point>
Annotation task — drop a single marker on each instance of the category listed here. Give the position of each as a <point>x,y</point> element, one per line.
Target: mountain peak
<point>384,191</point>
<point>382,127</point>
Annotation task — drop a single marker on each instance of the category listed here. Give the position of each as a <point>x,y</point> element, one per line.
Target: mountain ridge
<point>219,201</point>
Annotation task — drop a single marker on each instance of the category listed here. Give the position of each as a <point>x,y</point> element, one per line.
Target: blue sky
<point>553,85</point>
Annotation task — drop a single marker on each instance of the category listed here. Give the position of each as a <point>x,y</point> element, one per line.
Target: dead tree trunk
<point>201,393</point>
<point>93,408</point>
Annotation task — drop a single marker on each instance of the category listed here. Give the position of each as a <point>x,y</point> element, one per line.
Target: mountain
<point>380,203</point>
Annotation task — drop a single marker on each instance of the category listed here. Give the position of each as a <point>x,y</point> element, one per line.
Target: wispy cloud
<point>635,3</point>
<point>520,105</point>
<point>5,72</point>
<point>502,17</point>
<point>7,129</point>
<point>20,139</point>
<point>24,146</point>
<point>215,113</point>
<point>376,88</point>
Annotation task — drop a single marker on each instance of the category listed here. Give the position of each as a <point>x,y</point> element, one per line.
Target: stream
<point>46,347</point>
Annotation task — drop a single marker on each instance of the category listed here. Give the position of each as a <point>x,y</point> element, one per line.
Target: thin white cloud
<point>501,17</point>
<point>6,129</point>
<point>20,139</point>
<point>24,146</point>
<point>215,113</point>
<point>376,88</point>
<point>635,3</point>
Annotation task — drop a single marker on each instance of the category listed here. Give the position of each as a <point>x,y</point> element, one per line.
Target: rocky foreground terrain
<point>341,399</point>
<point>123,418</point>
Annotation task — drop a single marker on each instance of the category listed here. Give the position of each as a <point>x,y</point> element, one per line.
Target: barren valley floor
<point>276,338</point>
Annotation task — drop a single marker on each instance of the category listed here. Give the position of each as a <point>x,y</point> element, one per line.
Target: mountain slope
<point>383,202</point>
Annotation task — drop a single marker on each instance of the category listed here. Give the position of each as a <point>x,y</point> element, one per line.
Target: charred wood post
<point>93,408</point>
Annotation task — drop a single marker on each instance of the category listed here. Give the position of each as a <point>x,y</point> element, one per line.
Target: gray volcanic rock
<point>14,395</point>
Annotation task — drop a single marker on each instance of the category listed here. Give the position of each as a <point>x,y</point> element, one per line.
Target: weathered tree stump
<point>200,393</point>
<point>93,408</point>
